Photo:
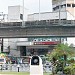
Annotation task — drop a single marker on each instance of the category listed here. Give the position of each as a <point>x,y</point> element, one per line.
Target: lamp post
<point>39,10</point>
<point>23,15</point>
<point>59,12</point>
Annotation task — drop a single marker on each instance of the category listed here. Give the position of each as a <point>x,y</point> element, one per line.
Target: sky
<point>31,5</point>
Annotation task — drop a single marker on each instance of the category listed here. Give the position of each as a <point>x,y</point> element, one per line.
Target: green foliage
<point>70,69</point>
<point>73,69</point>
<point>64,49</point>
<point>67,70</point>
<point>71,60</point>
<point>59,55</point>
<point>60,51</point>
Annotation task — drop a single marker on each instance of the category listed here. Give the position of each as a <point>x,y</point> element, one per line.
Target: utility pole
<point>2,46</point>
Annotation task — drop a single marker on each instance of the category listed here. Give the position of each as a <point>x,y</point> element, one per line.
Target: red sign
<point>46,43</point>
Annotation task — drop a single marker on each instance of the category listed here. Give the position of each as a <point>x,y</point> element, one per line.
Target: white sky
<point>32,5</point>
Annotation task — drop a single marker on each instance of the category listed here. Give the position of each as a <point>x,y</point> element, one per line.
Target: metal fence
<point>22,68</point>
<point>14,67</point>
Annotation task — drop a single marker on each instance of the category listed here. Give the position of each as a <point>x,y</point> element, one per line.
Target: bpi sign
<point>36,67</point>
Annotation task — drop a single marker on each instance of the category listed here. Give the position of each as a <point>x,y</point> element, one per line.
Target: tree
<point>59,56</point>
<point>61,51</point>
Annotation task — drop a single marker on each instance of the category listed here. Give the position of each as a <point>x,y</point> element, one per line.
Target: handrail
<point>38,23</point>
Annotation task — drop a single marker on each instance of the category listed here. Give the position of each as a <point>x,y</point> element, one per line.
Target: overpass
<point>37,29</point>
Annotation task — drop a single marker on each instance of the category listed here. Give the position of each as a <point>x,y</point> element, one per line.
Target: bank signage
<point>46,43</point>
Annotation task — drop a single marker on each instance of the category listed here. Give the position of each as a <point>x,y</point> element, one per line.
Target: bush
<point>71,61</point>
<point>67,70</point>
<point>73,69</point>
<point>70,69</point>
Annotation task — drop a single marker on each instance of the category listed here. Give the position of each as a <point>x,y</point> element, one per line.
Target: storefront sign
<point>46,43</point>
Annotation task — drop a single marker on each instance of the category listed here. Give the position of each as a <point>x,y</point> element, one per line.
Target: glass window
<point>64,5</point>
<point>57,7</point>
<point>1,60</point>
<point>21,16</point>
<point>73,5</point>
<point>68,5</point>
<point>53,9</point>
<point>61,6</point>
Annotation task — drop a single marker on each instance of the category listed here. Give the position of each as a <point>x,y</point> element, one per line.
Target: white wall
<point>14,13</point>
<point>70,41</point>
<point>51,15</point>
<point>15,53</point>
<point>23,39</point>
<point>70,16</point>
<point>26,11</point>
<point>5,45</point>
<point>13,46</point>
<point>24,43</point>
<point>47,16</point>
<point>12,43</point>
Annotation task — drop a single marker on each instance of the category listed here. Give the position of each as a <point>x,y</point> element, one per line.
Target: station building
<point>36,47</point>
<point>62,9</point>
<point>64,5</point>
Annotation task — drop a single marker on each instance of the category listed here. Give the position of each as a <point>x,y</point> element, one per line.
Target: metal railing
<point>22,67</point>
<point>50,23</point>
<point>38,23</point>
<point>11,24</point>
<point>14,67</point>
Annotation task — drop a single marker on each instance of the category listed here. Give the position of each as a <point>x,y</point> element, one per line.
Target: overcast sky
<point>32,5</point>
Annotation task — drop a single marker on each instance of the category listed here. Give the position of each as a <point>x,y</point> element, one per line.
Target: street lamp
<point>23,14</point>
<point>59,12</point>
<point>39,10</point>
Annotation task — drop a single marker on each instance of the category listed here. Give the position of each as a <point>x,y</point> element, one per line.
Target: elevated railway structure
<point>43,28</point>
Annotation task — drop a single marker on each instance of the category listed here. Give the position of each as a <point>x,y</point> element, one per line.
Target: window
<point>73,5</point>
<point>57,7</point>
<point>61,6</point>
<point>21,16</point>
<point>53,9</point>
<point>64,5</point>
<point>68,5</point>
<point>1,60</point>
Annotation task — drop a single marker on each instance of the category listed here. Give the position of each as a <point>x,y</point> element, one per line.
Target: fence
<point>14,67</point>
<point>22,68</point>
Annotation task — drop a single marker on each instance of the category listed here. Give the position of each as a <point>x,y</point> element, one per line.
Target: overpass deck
<point>16,30</point>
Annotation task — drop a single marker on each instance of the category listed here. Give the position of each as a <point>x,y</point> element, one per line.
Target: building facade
<point>62,9</point>
<point>29,48</point>
<point>64,5</point>
<point>17,13</point>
